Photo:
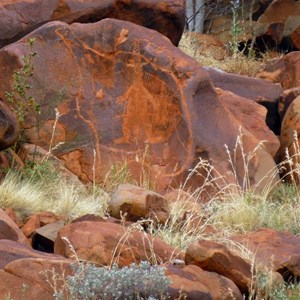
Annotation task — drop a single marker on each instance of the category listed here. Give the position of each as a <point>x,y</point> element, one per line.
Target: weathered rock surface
<point>285,71</point>
<point>9,127</point>
<point>136,203</point>
<point>215,257</point>
<point>286,98</point>
<point>14,287</point>
<point>285,13</point>
<point>27,278</point>
<point>11,251</point>
<point>253,117</point>
<point>19,17</point>
<point>289,141</point>
<point>123,90</point>
<point>9,230</point>
<point>196,284</point>
<point>13,216</point>
<point>261,91</point>
<point>274,249</point>
<point>44,237</point>
<point>38,220</point>
<point>104,243</point>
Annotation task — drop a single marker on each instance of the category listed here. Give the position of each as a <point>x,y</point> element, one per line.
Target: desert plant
<point>268,288</point>
<point>236,29</point>
<point>41,191</point>
<point>90,282</point>
<point>21,102</point>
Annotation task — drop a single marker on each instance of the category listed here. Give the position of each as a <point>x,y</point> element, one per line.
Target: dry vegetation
<point>239,63</point>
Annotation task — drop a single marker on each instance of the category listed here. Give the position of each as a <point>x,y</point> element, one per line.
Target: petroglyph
<point>151,108</point>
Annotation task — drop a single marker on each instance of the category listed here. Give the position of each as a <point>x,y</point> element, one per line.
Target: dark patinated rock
<point>19,17</point>
<point>125,93</point>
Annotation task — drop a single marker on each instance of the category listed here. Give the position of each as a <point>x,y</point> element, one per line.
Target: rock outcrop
<point>135,203</point>
<point>276,250</point>
<point>107,243</point>
<point>214,257</point>
<point>125,92</point>
<point>196,284</point>
<point>19,17</point>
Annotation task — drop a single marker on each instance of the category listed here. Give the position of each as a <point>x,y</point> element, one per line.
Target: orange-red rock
<point>286,12</point>
<point>285,71</point>
<point>38,270</point>
<point>253,117</point>
<point>196,284</point>
<point>123,91</point>
<point>11,251</point>
<point>288,142</point>
<point>19,17</point>
<point>286,98</point>
<point>9,126</point>
<point>274,249</point>
<point>27,278</point>
<point>215,257</point>
<point>261,91</point>
<point>295,37</point>
<point>136,203</point>
<point>104,243</point>
<point>14,287</point>
<point>38,220</point>
<point>9,229</point>
<point>14,217</point>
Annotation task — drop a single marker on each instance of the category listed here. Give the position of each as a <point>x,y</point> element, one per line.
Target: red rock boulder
<point>285,71</point>
<point>19,17</point>
<point>136,203</point>
<point>261,91</point>
<point>125,92</point>
<point>31,278</point>
<point>195,283</point>
<point>105,243</point>
<point>288,153</point>
<point>9,230</point>
<point>285,13</point>
<point>215,257</point>
<point>11,251</point>
<point>276,250</point>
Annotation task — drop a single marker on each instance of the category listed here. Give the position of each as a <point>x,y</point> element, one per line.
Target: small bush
<point>141,281</point>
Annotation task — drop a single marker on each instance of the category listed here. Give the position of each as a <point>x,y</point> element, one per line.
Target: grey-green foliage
<point>274,290</point>
<point>141,281</point>
<point>236,29</point>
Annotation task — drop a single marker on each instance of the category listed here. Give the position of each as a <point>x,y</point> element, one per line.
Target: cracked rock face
<point>19,17</point>
<point>125,93</point>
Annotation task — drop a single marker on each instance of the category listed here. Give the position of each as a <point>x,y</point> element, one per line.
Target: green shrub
<point>141,281</point>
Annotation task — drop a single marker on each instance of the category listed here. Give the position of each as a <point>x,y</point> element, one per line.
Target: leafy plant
<point>21,102</point>
<point>236,29</point>
<point>89,282</point>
